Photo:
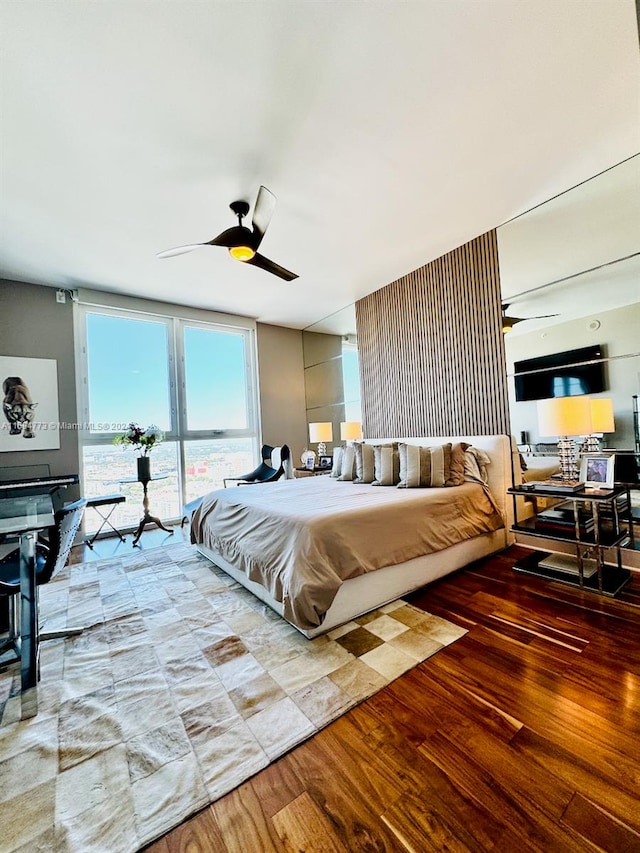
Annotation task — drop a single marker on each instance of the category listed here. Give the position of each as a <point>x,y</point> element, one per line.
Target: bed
<point>321,552</point>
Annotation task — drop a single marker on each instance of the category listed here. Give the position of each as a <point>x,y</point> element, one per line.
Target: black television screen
<point>563,374</point>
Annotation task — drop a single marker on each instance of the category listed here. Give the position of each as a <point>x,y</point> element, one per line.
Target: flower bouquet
<point>142,440</point>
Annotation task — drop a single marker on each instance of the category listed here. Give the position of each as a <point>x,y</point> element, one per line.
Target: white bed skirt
<point>373,589</point>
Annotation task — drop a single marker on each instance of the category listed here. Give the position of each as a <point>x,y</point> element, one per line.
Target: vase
<point>144,469</point>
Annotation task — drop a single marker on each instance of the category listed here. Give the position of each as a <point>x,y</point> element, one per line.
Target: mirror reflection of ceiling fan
<point>242,242</point>
<point>509,322</point>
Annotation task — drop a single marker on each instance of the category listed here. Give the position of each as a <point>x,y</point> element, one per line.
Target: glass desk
<point>24,516</point>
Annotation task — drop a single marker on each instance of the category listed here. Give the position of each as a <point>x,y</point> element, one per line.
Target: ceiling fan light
<point>241,253</point>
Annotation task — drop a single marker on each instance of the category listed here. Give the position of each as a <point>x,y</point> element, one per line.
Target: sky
<point>128,366</point>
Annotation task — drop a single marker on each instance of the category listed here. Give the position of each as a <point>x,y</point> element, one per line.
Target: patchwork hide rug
<point>182,686</point>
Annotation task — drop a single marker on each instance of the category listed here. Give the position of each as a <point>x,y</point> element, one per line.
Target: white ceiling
<point>390,133</point>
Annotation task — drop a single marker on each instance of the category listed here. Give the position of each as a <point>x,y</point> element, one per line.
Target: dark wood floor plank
<point>276,786</point>
<point>302,826</point>
<point>199,835</point>
<point>576,769</point>
<point>597,826</point>
<point>243,824</point>
<point>537,829</point>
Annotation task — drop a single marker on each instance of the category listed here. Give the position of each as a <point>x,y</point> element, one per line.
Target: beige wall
<point>281,385</point>
<point>34,325</point>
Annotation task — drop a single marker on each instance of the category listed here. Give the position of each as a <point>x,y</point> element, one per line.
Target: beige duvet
<point>301,538</point>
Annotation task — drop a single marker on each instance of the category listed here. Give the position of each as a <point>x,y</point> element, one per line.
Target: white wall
<point>619,331</point>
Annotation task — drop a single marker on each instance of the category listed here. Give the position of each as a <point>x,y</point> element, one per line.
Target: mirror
<point>331,374</point>
<point>577,256</point>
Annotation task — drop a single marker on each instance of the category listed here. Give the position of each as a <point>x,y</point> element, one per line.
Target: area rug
<point>183,686</point>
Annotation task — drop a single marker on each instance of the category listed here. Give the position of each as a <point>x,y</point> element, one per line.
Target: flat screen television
<point>563,374</point>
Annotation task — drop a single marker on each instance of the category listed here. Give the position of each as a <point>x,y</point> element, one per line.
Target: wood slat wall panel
<point>431,348</point>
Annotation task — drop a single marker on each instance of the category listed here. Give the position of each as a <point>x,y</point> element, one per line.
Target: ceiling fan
<point>509,322</point>
<point>243,242</point>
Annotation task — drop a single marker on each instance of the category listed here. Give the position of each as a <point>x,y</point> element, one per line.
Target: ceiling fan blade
<point>542,316</point>
<point>265,264</point>
<point>179,250</point>
<point>262,213</point>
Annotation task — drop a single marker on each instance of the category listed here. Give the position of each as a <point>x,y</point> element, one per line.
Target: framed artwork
<point>30,418</point>
<point>325,462</point>
<point>596,469</point>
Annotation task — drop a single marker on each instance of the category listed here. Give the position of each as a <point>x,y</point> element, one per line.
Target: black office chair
<point>52,553</point>
<point>272,467</point>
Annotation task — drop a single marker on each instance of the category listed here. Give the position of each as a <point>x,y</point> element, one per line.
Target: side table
<point>147,518</point>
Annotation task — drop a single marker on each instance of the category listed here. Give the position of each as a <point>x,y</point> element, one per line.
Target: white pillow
<point>348,467</point>
<point>337,462</point>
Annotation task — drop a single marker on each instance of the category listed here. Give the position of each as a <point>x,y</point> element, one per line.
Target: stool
<point>106,501</point>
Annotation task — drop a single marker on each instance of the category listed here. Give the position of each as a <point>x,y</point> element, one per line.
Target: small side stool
<point>105,501</point>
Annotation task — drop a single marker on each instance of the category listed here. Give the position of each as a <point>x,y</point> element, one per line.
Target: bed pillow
<point>386,464</point>
<point>365,463</point>
<point>456,468</point>
<point>424,467</point>
<point>348,465</point>
<point>475,465</point>
<point>337,462</point>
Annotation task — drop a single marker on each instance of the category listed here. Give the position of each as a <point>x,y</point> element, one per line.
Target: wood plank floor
<point>522,736</point>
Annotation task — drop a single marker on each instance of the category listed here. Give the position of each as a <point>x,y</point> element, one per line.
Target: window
<point>195,380</point>
<point>127,372</point>
<point>215,379</point>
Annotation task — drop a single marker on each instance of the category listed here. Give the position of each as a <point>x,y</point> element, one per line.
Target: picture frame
<point>325,462</point>
<point>29,416</point>
<point>597,470</point>
<point>310,462</point>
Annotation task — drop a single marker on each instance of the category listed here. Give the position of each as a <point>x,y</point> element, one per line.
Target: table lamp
<point>601,421</point>
<point>321,432</point>
<point>350,431</point>
<point>565,417</point>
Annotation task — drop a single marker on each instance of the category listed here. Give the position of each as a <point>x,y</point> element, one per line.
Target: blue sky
<point>129,374</point>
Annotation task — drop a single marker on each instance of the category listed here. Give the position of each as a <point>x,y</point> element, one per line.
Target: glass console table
<point>593,521</point>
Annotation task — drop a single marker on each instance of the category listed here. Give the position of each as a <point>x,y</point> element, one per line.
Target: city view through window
<point>109,469</point>
<point>195,381</point>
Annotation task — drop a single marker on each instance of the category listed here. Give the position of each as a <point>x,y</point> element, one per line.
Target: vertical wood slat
<point>431,348</point>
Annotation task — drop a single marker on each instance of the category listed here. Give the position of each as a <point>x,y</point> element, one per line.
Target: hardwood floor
<point>522,736</point>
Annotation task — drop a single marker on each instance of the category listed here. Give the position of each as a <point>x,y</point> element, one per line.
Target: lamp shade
<point>321,431</point>
<point>602,415</point>
<point>350,430</point>
<point>564,416</point>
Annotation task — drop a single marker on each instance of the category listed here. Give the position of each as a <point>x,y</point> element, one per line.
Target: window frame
<point>178,431</point>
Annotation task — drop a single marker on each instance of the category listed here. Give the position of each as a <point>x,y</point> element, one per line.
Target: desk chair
<point>51,556</point>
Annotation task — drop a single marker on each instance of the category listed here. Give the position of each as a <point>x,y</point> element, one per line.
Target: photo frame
<point>325,462</point>
<point>597,469</point>
<point>29,418</point>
